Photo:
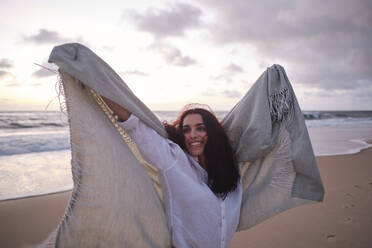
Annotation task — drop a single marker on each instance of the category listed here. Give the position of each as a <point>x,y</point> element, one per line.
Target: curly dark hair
<point>223,171</point>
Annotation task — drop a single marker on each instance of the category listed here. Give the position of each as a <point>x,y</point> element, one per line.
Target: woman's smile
<point>196,148</point>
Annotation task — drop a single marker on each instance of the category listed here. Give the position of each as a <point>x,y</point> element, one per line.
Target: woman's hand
<point>118,110</point>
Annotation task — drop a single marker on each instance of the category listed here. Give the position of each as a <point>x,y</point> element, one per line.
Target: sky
<point>171,53</point>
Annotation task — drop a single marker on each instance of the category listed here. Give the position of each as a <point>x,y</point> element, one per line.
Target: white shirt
<point>196,217</point>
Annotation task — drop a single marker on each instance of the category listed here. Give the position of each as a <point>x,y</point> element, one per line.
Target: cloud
<point>45,36</point>
<point>5,74</point>
<point>12,84</point>
<point>326,48</point>
<point>5,64</point>
<point>135,73</point>
<point>210,92</point>
<point>363,93</point>
<point>231,93</point>
<point>228,73</point>
<point>222,77</point>
<point>174,20</point>
<point>173,55</point>
<point>356,98</point>
<point>109,48</point>
<point>234,68</point>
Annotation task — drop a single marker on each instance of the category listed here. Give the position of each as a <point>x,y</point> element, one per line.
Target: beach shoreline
<point>38,195</point>
<point>342,220</point>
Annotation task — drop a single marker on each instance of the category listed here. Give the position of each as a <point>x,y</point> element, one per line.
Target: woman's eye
<point>200,129</point>
<point>185,130</point>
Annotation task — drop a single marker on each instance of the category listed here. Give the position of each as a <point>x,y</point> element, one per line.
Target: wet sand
<point>27,222</point>
<point>344,219</point>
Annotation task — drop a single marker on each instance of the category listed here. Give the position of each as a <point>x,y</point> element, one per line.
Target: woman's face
<point>195,134</point>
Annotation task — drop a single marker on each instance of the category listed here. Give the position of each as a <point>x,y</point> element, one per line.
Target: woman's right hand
<point>122,113</point>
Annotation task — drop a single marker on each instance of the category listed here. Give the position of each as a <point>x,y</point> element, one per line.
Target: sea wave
<point>32,119</point>
<point>337,122</point>
<point>20,125</point>
<point>323,115</point>
<point>30,142</point>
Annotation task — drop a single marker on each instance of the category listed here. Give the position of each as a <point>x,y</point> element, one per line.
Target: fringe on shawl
<point>281,104</point>
<point>76,169</point>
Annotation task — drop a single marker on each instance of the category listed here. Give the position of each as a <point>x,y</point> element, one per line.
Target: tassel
<point>280,105</point>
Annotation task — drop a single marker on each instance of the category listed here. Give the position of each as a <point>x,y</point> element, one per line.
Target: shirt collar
<point>200,171</point>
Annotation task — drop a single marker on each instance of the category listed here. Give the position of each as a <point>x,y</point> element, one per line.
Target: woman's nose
<point>193,133</point>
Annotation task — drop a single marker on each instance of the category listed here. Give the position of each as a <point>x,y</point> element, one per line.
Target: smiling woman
<point>194,198</point>
<point>179,184</point>
<point>199,175</point>
<point>198,132</point>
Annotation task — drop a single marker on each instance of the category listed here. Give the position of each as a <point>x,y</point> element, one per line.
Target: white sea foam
<point>29,141</point>
<point>34,174</point>
<point>340,139</point>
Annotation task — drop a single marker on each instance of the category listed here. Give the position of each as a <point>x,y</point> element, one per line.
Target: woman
<point>199,176</point>
<point>115,204</point>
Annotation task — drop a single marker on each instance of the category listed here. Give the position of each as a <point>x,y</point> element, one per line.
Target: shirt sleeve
<point>157,150</point>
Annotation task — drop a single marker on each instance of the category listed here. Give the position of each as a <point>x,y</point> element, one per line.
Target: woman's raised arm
<point>159,151</point>
<point>121,112</point>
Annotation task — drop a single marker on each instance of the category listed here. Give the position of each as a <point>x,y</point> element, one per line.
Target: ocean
<point>35,149</point>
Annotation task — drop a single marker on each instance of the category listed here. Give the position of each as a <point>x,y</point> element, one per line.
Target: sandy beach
<point>344,219</point>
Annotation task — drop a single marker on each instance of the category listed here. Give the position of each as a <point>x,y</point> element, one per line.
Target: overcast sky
<point>171,53</point>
